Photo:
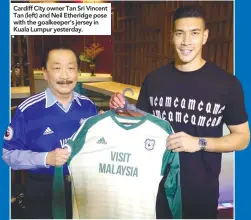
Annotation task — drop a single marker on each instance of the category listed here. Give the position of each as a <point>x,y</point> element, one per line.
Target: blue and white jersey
<point>40,125</point>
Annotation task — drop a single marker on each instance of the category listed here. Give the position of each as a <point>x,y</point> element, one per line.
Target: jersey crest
<point>149,144</point>
<point>9,133</point>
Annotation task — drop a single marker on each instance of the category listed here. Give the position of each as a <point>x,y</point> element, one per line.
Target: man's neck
<point>63,99</point>
<point>189,67</point>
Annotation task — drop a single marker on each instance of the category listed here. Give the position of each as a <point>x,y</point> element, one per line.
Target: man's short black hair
<point>189,11</point>
<point>46,55</point>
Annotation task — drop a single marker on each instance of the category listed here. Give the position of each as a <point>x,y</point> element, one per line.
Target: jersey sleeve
<point>235,112</point>
<point>143,99</point>
<point>14,137</point>
<point>170,171</point>
<point>15,151</point>
<point>74,145</point>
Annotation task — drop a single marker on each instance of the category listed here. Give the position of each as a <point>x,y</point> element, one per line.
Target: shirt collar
<point>51,99</point>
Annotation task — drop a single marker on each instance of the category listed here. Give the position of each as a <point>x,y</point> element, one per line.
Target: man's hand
<point>116,101</point>
<point>182,142</point>
<point>57,157</point>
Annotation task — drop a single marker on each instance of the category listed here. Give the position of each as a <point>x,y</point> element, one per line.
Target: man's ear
<point>45,73</point>
<point>205,36</point>
<point>172,36</point>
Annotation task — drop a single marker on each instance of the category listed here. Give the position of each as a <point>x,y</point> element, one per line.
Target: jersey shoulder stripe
<point>32,103</point>
<point>82,97</point>
<point>31,99</point>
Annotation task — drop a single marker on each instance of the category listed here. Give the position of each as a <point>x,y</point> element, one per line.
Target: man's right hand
<point>116,101</point>
<point>57,157</point>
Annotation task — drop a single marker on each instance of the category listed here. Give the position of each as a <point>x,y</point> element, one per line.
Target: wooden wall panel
<point>142,37</point>
<point>77,43</point>
<point>19,61</point>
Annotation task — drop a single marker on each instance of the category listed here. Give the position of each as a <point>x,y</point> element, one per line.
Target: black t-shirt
<point>198,103</point>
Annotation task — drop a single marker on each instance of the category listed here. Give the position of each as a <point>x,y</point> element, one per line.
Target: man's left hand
<point>182,142</point>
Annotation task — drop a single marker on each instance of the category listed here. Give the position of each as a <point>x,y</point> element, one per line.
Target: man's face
<point>61,71</point>
<point>189,35</point>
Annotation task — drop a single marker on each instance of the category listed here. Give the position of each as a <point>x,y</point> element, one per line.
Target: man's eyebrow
<point>196,29</point>
<point>60,63</point>
<point>56,63</point>
<point>180,30</point>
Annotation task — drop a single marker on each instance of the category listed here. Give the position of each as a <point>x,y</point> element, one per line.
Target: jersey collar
<point>51,99</point>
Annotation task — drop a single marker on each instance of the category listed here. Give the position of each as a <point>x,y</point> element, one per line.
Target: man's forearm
<point>24,159</point>
<point>228,143</point>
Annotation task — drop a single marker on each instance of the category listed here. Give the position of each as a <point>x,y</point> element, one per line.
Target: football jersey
<point>39,126</point>
<point>116,165</point>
